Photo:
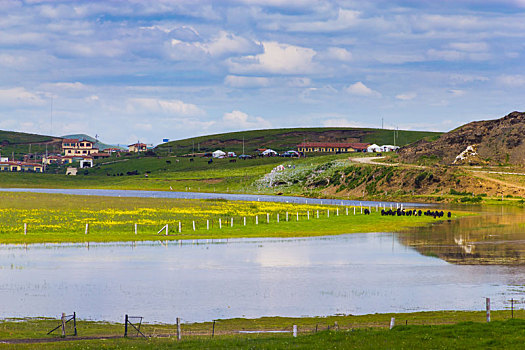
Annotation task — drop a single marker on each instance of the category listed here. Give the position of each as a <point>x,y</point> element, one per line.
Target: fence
<point>64,320</point>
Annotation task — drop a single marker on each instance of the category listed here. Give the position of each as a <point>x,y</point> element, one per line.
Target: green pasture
<point>63,218</point>
<point>420,330</point>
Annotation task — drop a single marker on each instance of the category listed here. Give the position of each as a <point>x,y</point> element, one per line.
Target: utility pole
<point>382,123</point>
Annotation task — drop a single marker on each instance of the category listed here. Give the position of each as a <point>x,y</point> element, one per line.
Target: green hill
<point>20,143</point>
<point>286,139</point>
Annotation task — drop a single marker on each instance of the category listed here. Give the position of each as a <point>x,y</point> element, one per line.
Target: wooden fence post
<point>213,329</point>
<point>297,216</point>
<point>126,325</point>
<point>267,218</point>
<point>193,225</point>
<point>337,212</point>
<point>244,221</point>
<point>318,214</point>
<point>256,219</point>
<point>277,217</point>
<point>207,224</point>
<point>75,323</point>
<point>308,215</point>
<point>87,229</point>
<point>63,319</point>
<point>25,228</point>
<point>354,210</point>
<point>136,229</point>
<point>487,302</point>
<point>220,223</point>
<point>231,222</point>
<point>179,335</point>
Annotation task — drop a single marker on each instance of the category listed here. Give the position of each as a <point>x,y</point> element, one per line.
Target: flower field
<point>68,218</point>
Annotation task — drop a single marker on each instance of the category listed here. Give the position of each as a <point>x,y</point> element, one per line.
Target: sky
<point>137,70</point>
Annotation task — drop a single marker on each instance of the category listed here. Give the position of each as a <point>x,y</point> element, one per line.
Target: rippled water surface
<point>205,280</point>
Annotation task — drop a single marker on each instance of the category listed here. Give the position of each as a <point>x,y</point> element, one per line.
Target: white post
<point>354,210</point>
<point>328,213</point>
<point>295,331</point>
<point>207,224</point>
<point>267,218</point>
<point>231,222</point>
<point>179,335</point>
<point>286,216</point>
<point>136,230</point>
<point>220,223</point>
<point>361,210</point>
<point>277,217</point>
<point>256,219</point>
<point>25,228</point>
<point>487,301</point>
<point>392,322</point>
<point>369,210</point>
<point>337,212</point>
<point>376,208</point>
<point>318,214</point>
<point>245,221</point>
<point>297,216</point>
<point>308,215</point>
<point>193,225</point>
<point>87,229</point>
<point>346,211</point>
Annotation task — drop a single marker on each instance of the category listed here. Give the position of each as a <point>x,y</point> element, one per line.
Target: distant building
<point>21,167</point>
<point>138,147</point>
<point>76,147</point>
<point>332,147</point>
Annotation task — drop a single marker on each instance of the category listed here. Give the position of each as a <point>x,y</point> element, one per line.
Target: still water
<point>205,280</point>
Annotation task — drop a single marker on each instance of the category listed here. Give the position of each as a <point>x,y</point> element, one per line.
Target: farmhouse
<point>138,147</point>
<point>76,147</point>
<point>332,147</point>
<point>21,166</point>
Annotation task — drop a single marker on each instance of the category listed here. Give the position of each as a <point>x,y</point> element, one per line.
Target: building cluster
<point>343,147</point>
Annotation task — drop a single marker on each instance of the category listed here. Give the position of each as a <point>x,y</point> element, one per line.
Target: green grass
<point>286,139</point>
<point>425,330</point>
<point>62,218</point>
<point>21,143</point>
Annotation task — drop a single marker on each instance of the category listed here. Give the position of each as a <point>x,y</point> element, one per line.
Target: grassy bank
<point>63,218</point>
<point>445,329</point>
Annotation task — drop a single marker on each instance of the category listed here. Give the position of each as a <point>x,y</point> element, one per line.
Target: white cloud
<point>20,96</point>
<point>407,96</point>
<point>335,54</point>
<point>227,43</point>
<point>457,92</point>
<point>512,80</point>
<point>470,47</point>
<point>277,58</point>
<point>246,82</point>
<point>65,86</point>
<point>361,89</point>
<point>345,19</point>
<point>176,107</point>
<point>240,120</point>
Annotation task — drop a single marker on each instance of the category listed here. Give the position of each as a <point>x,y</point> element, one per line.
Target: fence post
<point>231,222</point>
<point>75,322</point>
<point>207,224</point>
<point>244,221</point>
<point>179,335</point>
<point>267,218</point>
<point>63,319</point>
<point>87,229</point>
<point>126,325</point>
<point>512,308</point>
<point>295,331</point>
<point>361,209</point>
<point>328,213</point>
<point>286,216</point>
<point>277,217</point>
<point>392,322</point>
<point>346,211</point>
<point>220,223</point>
<point>308,215</point>
<point>297,216</point>
<point>487,302</point>
<point>318,214</point>
<point>25,228</point>
<point>256,219</point>
<point>337,212</point>
<point>136,229</point>
<point>213,329</point>
<point>193,225</point>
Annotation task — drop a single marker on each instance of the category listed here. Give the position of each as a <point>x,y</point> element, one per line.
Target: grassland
<point>285,139</point>
<point>63,218</point>
<point>19,143</point>
<point>428,330</point>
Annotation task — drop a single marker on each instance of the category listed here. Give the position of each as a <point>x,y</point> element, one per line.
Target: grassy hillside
<point>285,139</point>
<point>21,143</point>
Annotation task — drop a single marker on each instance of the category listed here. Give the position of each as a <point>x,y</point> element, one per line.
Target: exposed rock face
<point>497,141</point>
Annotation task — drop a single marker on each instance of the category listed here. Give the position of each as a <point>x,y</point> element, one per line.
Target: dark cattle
<point>367,212</point>
<point>191,159</point>
<point>449,214</point>
<point>168,162</point>
<point>210,161</point>
<point>233,160</point>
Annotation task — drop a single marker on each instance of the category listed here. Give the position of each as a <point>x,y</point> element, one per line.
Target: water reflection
<point>497,237</point>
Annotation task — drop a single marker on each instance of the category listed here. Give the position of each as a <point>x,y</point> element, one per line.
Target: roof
<point>70,140</point>
<point>354,145</point>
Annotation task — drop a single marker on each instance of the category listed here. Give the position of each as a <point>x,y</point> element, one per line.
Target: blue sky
<point>135,70</point>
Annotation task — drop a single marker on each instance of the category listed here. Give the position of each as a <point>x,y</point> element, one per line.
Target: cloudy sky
<point>138,70</point>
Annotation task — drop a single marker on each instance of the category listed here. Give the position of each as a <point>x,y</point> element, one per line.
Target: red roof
<point>354,145</point>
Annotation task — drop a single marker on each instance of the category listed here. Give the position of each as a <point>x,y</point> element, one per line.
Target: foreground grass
<point>56,218</point>
<point>445,329</point>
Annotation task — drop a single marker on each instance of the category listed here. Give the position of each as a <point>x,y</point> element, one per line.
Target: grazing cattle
<point>210,161</point>
<point>191,159</point>
<point>168,162</point>
<point>233,160</point>
<point>449,214</point>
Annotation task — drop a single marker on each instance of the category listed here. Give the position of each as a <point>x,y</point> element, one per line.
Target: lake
<point>206,280</point>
